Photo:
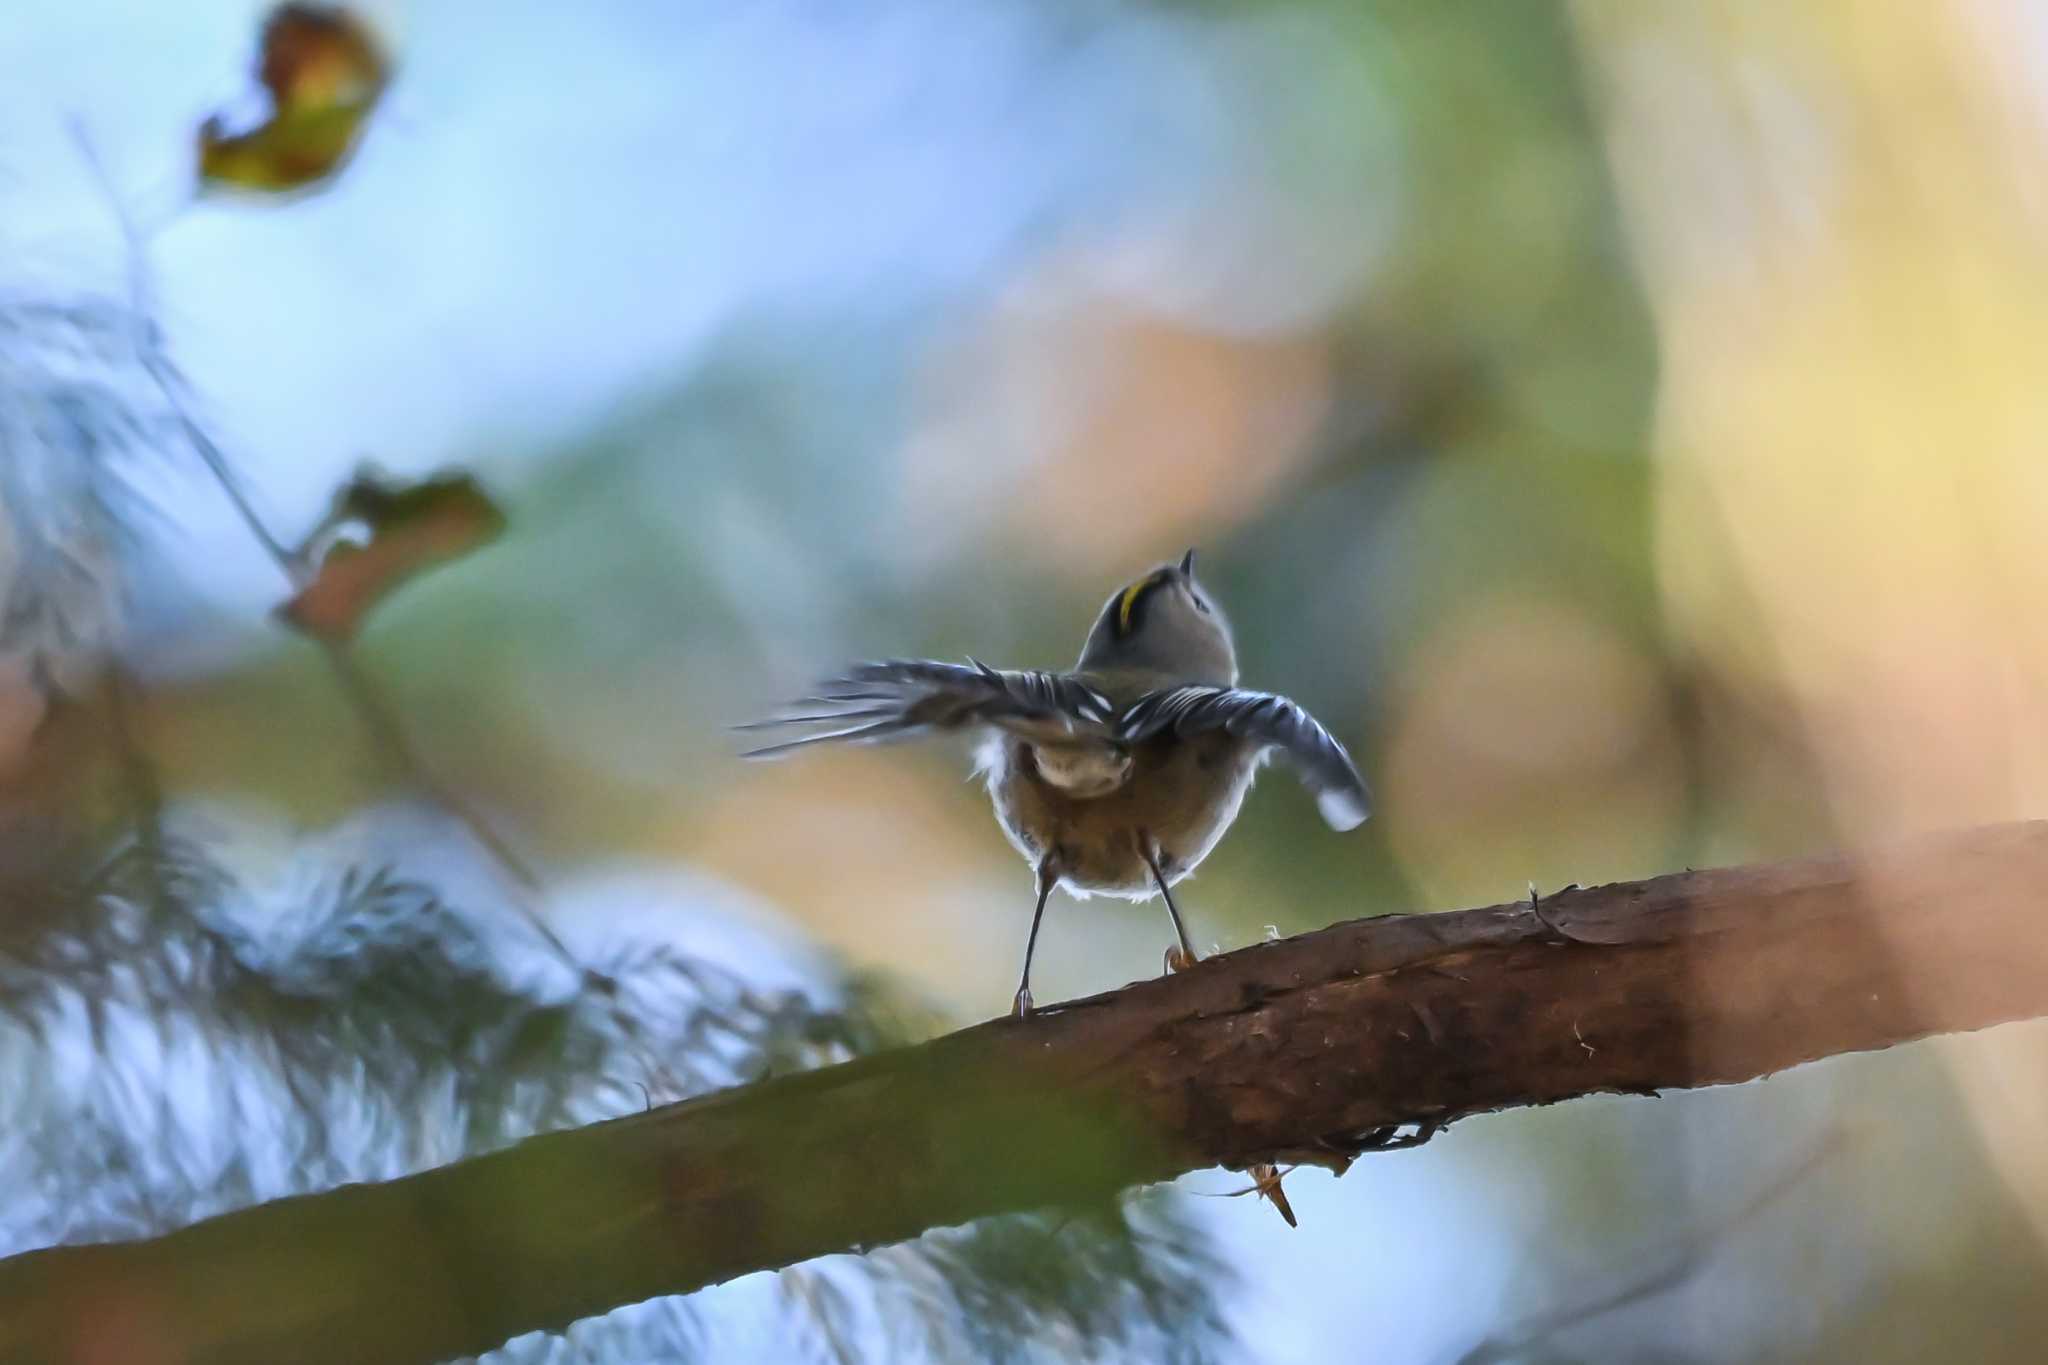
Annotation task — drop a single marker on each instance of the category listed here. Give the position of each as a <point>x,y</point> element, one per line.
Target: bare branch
<point>1312,1048</point>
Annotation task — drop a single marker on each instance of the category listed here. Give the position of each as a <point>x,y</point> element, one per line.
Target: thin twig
<point>381,719</point>
<point>1678,1261</point>
<point>376,713</point>
<point>154,363</point>
<point>143,787</point>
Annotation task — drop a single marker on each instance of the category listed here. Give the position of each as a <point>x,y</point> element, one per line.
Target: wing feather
<point>1268,719</point>
<point>907,698</point>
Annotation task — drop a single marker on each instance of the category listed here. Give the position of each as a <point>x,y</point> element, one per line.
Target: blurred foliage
<point>73,430</point>
<point>181,1041</point>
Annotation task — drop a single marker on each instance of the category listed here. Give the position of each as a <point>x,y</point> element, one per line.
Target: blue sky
<point>561,206</point>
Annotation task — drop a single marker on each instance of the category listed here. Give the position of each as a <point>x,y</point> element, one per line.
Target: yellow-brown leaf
<point>325,72</point>
<point>410,528</point>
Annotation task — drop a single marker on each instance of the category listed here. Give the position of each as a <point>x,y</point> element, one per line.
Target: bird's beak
<point>1187,563</point>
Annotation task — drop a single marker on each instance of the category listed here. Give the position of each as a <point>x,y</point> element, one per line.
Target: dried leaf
<point>408,528</point>
<point>325,71</point>
<point>1266,1182</point>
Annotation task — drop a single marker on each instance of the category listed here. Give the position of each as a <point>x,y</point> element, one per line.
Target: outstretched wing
<point>1264,718</point>
<point>905,698</point>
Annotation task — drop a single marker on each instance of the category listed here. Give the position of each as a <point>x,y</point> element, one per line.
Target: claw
<point>1020,1008</point>
<point>1178,959</point>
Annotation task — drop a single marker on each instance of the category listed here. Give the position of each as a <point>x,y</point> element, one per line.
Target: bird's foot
<point>1178,959</point>
<point>1021,1007</point>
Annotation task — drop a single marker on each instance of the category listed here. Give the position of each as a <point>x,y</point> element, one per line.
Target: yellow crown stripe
<point>1130,599</point>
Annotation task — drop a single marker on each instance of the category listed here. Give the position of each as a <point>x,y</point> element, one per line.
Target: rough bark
<point>1314,1048</point>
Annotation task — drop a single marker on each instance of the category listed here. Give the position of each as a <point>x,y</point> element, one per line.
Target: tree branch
<point>1313,1048</point>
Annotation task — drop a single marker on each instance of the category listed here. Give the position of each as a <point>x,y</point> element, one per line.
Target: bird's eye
<point>1201,603</point>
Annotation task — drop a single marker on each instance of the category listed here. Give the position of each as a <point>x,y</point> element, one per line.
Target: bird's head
<point>1164,623</point>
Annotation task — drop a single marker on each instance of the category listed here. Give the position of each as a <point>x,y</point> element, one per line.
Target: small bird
<point>1118,777</point>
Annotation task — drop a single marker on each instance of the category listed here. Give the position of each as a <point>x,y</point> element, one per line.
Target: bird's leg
<point>1180,956</point>
<point>1048,877</point>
